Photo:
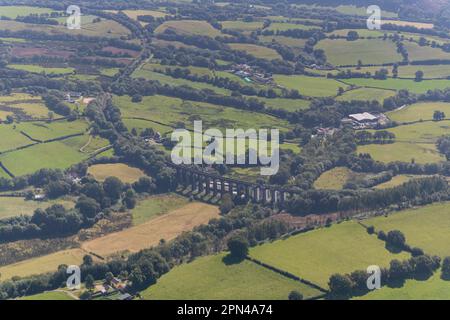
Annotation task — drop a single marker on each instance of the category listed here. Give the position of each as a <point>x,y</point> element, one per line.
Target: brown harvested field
<point>189,27</point>
<point>149,234</point>
<point>419,25</point>
<point>44,264</point>
<point>122,171</point>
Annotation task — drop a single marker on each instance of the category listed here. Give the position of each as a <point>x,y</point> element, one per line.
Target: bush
<point>238,247</point>
<point>295,295</point>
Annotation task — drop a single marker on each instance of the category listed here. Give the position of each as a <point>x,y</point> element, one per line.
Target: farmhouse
<point>366,120</point>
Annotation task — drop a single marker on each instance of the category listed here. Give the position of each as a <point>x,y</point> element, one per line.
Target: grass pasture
<point>399,84</point>
<point>47,131</point>
<point>279,26</point>
<point>156,206</point>
<point>403,151</point>
<point>189,27</point>
<point>256,51</point>
<point>333,179</point>
<point>172,111</point>
<point>341,52</point>
<point>415,141</point>
<point>15,206</point>
<point>122,171</point>
<point>366,94</point>
<point>419,111</point>
<point>418,53</point>
<point>39,69</point>
<point>56,155</point>
<point>49,295</point>
<point>12,138</point>
<point>148,234</point>
<point>44,264</point>
<point>213,278</point>
<point>286,104</point>
<point>15,11</point>
<point>425,227</point>
<point>318,254</point>
<point>310,86</point>
<point>242,25</point>
<point>433,288</point>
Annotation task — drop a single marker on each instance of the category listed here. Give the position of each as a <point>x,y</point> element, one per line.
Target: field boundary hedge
<point>287,274</point>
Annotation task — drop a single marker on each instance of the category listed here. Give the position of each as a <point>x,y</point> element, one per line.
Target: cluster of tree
<point>443,145</point>
<point>369,180</point>
<point>355,283</point>
<point>415,192</point>
<point>54,103</point>
<point>378,137</point>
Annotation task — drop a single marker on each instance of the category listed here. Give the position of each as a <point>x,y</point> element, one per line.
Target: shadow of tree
<point>230,260</point>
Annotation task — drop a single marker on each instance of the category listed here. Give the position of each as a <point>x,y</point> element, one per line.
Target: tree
<point>396,239</point>
<point>352,36</point>
<point>295,295</point>
<point>438,115</point>
<point>136,98</point>
<point>340,285</point>
<point>86,295</point>
<point>87,260</point>
<point>89,282</point>
<point>238,247</point>
<point>113,187</point>
<point>227,204</point>
<point>419,76</point>
<point>446,268</point>
<point>109,277</point>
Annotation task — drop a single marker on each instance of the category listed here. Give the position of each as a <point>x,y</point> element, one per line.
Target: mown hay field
<point>155,206</point>
<point>123,172</point>
<point>44,264</point>
<point>149,234</point>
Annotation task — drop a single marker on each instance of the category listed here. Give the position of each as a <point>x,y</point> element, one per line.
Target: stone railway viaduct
<point>218,186</point>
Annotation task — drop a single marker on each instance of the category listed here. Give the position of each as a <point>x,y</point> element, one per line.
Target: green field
<point>15,11</point>
<point>403,151</point>
<point>201,28</point>
<point>278,26</point>
<point>211,278</point>
<point>256,51</point>
<point>171,111</point>
<point>310,86</point>
<point>318,254</point>
<point>426,227</point>
<point>409,71</point>
<point>416,141</point>
<point>164,79</point>
<point>342,52</point>
<point>242,26</point>
<point>418,53</point>
<point>39,69</point>
<point>50,295</point>
<point>46,131</point>
<point>12,138</point>
<point>333,179</point>
<point>419,111</point>
<point>366,94</point>
<point>57,155</point>
<point>396,181</point>
<point>105,28</point>
<point>399,84</point>
<point>15,206</point>
<point>432,289</point>
<point>155,206</point>
<point>291,105</point>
